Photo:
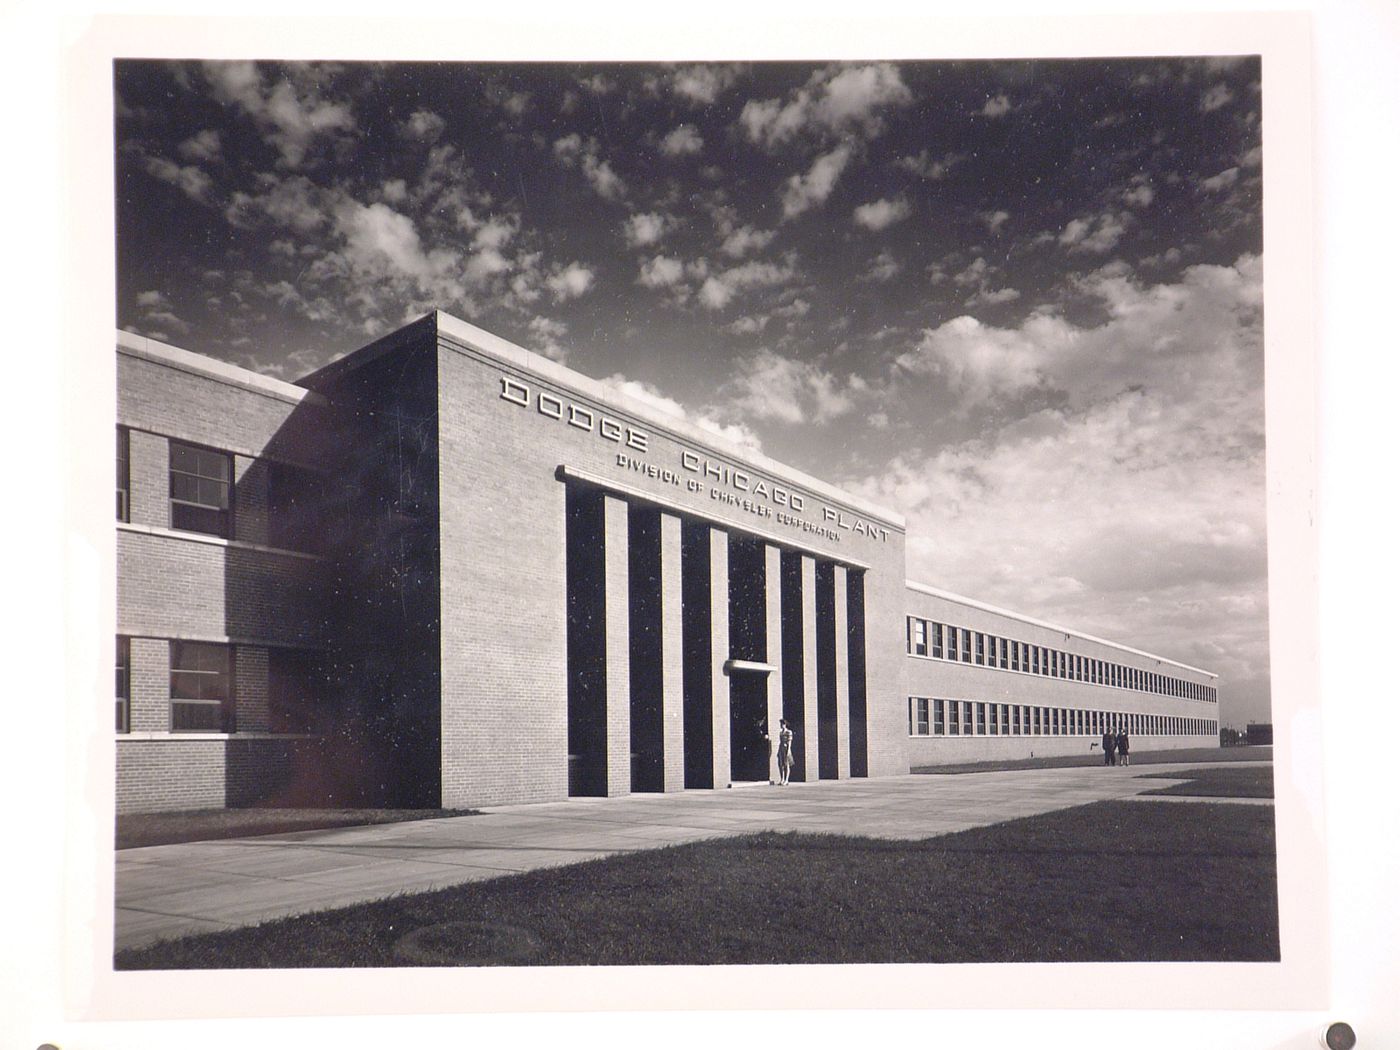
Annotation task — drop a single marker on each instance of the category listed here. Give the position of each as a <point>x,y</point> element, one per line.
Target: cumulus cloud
<point>992,297</point>
<point>802,192</point>
<point>770,386</point>
<point>703,84</point>
<point>545,333</point>
<point>996,106</point>
<point>570,282</point>
<point>573,150</point>
<point>720,288</point>
<point>203,147</point>
<point>423,126</point>
<point>1139,192</point>
<point>838,99</point>
<point>1221,181</point>
<point>1095,235</point>
<point>928,167</point>
<point>682,142</point>
<point>1218,95</point>
<point>291,113</point>
<point>739,242</point>
<point>882,268</point>
<point>994,220</point>
<point>190,180</point>
<point>646,228</point>
<point>1157,336</point>
<point>1133,506</point>
<point>661,272</point>
<point>881,214</point>
<point>735,433</point>
<point>158,317</point>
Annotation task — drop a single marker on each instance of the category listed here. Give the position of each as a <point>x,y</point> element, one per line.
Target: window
<point>938,723</point>
<point>201,688</point>
<point>199,490</point>
<point>981,648</point>
<point>123,684</point>
<point>1001,643</point>
<point>921,717</point>
<point>954,718</point>
<point>966,646</point>
<point>918,637</point>
<point>936,640</point>
<point>967,717</point>
<point>123,474</point>
<point>982,719</point>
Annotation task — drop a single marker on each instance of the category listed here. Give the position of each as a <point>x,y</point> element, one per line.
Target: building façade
<point>446,571</point>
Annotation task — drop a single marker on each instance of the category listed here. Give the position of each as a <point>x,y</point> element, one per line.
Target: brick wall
<point>179,585</point>
<point>943,679</point>
<point>156,775</point>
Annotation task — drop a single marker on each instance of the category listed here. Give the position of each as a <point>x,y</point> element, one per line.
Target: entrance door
<point>748,727</point>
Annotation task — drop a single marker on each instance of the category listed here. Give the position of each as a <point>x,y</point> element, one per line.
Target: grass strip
<point>203,825</point>
<point>1252,781</point>
<point>1109,881</point>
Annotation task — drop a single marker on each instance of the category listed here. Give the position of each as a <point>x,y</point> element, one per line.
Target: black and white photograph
<point>665,529</point>
<point>497,435</point>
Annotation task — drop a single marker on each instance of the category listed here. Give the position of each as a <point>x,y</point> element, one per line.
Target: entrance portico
<point>688,642</point>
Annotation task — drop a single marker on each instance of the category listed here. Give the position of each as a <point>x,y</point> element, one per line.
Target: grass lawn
<point>1095,758</point>
<point>1103,882</point>
<point>200,825</point>
<point>1251,781</point>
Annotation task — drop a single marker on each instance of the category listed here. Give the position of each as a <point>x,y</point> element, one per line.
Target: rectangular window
<point>935,641</point>
<point>123,474</point>
<point>201,688</point>
<point>922,721</point>
<point>1004,660</point>
<point>939,726</point>
<point>981,648</point>
<point>967,717</point>
<point>966,646</point>
<point>199,490</point>
<point>918,636</point>
<point>981,719</point>
<point>954,718</point>
<point>123,684</point>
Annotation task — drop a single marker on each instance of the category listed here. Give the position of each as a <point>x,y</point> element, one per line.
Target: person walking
<point>1109,742</point>
<point>784,751</point>
<point>1123,748</point>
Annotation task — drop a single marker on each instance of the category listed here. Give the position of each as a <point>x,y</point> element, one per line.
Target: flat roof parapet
<point>211,368</point>
<point>973,603</point>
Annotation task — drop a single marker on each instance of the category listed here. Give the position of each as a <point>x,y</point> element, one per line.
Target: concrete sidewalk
<point>197,887</point>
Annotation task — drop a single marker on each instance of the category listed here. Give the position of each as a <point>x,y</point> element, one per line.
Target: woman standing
<point>1123,748</point>
<point>784,751</point>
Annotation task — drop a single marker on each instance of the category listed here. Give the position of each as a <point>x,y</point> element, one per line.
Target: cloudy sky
<point>1018,302</point>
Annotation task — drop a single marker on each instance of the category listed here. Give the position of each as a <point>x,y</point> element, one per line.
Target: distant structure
<point>446,571</point>
<point>1259,733</point>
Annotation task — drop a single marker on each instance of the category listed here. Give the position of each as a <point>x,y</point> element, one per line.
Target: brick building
<point>446,571</point>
